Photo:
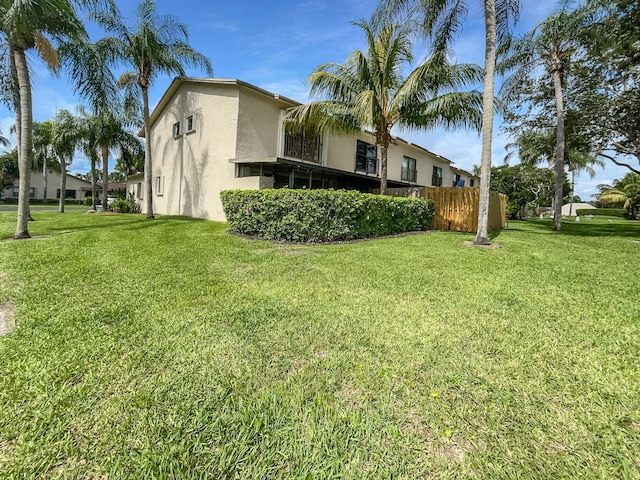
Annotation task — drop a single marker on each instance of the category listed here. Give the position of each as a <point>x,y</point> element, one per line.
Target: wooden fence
<point>456,208</point>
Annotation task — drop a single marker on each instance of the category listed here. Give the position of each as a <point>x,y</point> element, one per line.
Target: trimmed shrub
<point>130,205</point>
<point>609,212</point>
<point>322,215</point>
<point>88,201</point>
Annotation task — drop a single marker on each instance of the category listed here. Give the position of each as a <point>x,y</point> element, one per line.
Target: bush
<point>130,205</point>
<point>88,201</point>
<point>322,215</point>
<point>609,212</point>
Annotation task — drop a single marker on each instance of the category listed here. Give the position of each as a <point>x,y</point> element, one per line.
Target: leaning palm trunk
<point>26,142</point>
<point>573,188</point>
<point>147,154</point>
<point>384,151</point>
<point>482,236</point>
<point>105,177</point>
<point>63,184</point>
<point>559,167</point>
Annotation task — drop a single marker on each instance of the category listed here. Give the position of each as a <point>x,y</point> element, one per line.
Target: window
<point>32,192</point>
<point>139,191</point>
<point>409,173</point>
<point>67,193</point>
<point>303,147</point>
<point>159,186</point>
<point>436,178</point>
<point>471,182</point>
<point>189,124</point>
<point>366,157</point>
<point>249,170</point>
<point>176,130</point>
<point>456,179</point>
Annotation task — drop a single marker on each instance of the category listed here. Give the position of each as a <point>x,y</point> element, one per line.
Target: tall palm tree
<point>369,91</point>
<point>101,134</point>
<point>442,20</point>
<point>43,151</point>
<point>25,26</point>
<point>551,45</point>
<point>65,137</point>
<point>157,44</point>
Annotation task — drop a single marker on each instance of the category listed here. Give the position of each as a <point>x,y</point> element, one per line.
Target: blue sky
<point>275,45</point>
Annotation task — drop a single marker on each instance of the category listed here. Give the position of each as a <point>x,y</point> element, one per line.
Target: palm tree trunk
<point>573,188</point>
<point>482,236</point>
<point>559,167</point>
<point>105,177</point>
<point>25,142</point>
<point>384,151</point>
<point>148,173</point>
<point>94,190</point>
<point>44,176</point>
<point>63,184</point>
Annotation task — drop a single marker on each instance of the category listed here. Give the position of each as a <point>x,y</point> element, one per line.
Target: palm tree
<point>625,191</point>
<point>442,20</point>
<point>101,134</point>
<point>158,44</point>
<point>550,45</point>
<point>24,25</point>
<point>65,136</point>
<point>368,91</point>
<point>43,150</point>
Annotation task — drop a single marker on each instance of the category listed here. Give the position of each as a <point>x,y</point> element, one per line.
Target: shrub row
<point>322,215</point>
<point>610,212</point>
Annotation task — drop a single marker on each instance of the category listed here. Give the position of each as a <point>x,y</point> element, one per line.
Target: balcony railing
<point>409,175</point>
<point>366,164</point>
<point>303,147</point>
<point>436,181</point>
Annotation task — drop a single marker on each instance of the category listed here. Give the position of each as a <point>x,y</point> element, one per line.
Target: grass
<point>171,349</point>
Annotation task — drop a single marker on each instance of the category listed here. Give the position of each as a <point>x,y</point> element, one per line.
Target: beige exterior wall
<point>53,184</point>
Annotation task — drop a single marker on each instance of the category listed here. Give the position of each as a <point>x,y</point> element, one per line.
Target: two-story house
<point>209,135</point>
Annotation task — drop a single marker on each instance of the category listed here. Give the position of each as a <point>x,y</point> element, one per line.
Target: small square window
<point>176,130</point>
<point>190,127</point>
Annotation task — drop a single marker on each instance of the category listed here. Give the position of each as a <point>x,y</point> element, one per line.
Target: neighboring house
<point>210,135</point>
<point>76,188</point>
<point>462,178</point>
<point>576,206</point>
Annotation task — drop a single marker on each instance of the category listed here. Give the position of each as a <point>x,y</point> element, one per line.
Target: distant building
<point>210,135</point>
<point>76,188</point>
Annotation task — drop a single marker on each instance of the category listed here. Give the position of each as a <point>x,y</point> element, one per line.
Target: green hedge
<point>609,212</point>
<point>322,215</point>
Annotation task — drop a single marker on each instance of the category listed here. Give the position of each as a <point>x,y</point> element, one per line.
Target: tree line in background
<point>570,95</point>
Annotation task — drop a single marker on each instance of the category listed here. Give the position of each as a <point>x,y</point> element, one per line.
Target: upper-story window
<point>366,157</point>
<point>456,180</point>
<point>177,131</point>
<point>409,172</point>
<point>303,147</point>
<point>471,182</point>
<point>436,178</point>
<point>190,127</point>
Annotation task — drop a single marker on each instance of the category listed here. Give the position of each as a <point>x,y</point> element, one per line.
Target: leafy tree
<point>157,44</point>
<point>8,169</point>
<point>368,90</point>
<point>525,185</point>
<point>442,20</point>
<point>25,26</point>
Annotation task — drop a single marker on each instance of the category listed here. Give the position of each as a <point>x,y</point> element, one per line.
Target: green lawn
<point>171,349</point>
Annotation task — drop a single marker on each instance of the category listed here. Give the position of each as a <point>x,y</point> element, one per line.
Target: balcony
<point>409,175</point>
<point>304,148</point>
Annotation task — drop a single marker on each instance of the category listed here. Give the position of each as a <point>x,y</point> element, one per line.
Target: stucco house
<point>209,135</point>
<point>76,188</point>
<point>569,210</point>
